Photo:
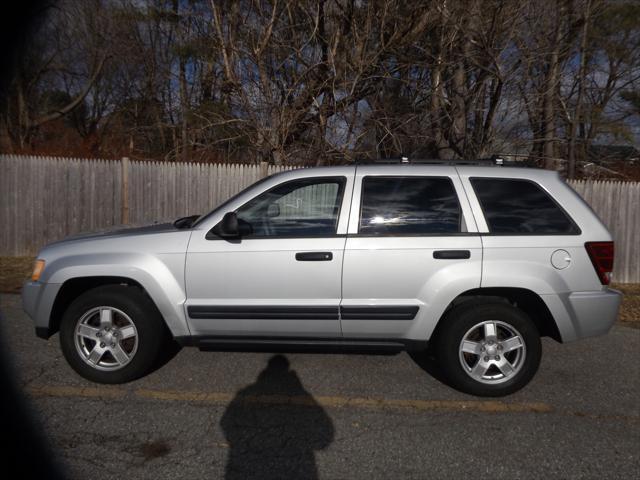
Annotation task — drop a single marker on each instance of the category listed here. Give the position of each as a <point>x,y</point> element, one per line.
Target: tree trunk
<point>184,125</point>
<point>184,107</point>
<point>549,93</point>
<point>581,81</point>
<point>6,144</point>
<point>437,95</point>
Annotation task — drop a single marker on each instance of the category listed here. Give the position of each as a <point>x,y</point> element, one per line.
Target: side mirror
<point>230,227</point>
<point>185,222</point>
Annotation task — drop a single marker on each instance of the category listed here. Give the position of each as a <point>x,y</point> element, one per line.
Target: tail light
<point>601,255</point>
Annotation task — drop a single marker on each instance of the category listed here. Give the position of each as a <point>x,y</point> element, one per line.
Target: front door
<point>283,279</point>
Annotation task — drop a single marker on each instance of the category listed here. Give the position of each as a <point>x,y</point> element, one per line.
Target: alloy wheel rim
<point>492,352</point>
<point>106,338</point>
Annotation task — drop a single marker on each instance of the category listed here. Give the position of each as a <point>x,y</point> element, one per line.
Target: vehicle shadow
<point>274,426</point>
<point>168,352</point>
<point>426,360</point>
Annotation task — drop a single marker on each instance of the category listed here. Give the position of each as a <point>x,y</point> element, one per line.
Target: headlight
<point>38,267</point>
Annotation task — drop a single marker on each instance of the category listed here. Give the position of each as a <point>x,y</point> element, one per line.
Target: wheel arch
<point>526,300</point>
<point>74,287</point>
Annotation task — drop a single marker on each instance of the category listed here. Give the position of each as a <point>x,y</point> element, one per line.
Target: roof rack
<point>491,161</point>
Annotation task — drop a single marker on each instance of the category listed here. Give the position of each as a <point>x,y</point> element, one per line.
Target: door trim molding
<point>285,312</point>
<point>378,312</point>
<point>262,312</point>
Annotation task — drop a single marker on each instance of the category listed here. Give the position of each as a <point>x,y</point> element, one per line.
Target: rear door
<point>412,246</point>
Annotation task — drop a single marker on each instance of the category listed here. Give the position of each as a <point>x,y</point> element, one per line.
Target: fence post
<point>124,179</point>
<point>264,169</point>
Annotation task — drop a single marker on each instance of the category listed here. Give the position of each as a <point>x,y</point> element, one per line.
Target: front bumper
<point>37,302</point>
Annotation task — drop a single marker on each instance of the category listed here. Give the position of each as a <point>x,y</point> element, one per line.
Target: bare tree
<point>327,81</point>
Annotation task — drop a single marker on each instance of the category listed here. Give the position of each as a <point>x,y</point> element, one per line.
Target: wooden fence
<point>43,199</point>
<point>618,206</point>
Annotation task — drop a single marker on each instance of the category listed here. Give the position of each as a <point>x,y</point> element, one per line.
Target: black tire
<point>460,321</point>
<point>152,333</point>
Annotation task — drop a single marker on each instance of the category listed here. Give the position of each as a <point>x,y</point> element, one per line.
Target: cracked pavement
<point>244,415</point>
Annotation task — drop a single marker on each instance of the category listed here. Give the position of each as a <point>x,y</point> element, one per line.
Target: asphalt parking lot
<point>238,415</point>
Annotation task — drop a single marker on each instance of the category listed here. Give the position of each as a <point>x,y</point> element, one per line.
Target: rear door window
<point>516,206</point>
<point>409,206</point>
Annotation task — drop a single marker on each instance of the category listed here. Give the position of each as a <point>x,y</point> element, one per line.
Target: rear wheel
<point>113,334</point>
<point>489,349</point>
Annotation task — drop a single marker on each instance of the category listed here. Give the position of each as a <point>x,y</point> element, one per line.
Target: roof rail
<point>490,161</point>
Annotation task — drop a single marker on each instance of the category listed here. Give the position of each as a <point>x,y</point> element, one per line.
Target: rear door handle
<point>314,256</point>
<point>451,254</point>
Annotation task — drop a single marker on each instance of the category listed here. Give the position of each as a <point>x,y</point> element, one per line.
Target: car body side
<point>156,259</point>
<point>581,306</point>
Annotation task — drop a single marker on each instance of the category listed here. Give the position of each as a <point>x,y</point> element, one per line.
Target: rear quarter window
<point>516,206</point>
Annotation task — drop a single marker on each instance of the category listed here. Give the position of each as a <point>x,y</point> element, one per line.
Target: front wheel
<point>112,334</point>
<point>489,349</point>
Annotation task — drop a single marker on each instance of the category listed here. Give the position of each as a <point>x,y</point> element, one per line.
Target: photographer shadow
<point>274,426</point>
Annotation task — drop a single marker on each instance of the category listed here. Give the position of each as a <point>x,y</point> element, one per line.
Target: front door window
<point>307,207</point>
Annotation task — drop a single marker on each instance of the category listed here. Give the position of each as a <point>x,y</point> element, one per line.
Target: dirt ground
<point>15,270</point>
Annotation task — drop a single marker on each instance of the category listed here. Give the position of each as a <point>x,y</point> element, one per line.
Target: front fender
<point>162,276</point>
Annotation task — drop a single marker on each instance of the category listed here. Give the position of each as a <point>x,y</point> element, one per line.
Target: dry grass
<point>630,311</point>
<point>15,270</point>
<point>13,273</point>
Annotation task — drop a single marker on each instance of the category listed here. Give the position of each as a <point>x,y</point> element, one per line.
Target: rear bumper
<point>37,302</point>
<point>584,314</point>
<point>595,313</point>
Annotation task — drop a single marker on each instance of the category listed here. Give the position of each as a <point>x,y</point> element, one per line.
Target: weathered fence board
<point>43,199</point>
<point>618,206</point>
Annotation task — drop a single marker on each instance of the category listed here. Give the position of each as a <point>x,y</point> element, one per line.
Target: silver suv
<point>478,262</point>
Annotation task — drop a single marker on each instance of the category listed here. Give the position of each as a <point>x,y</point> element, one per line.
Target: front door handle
<point>314,256</point>
<point>451,254</point>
